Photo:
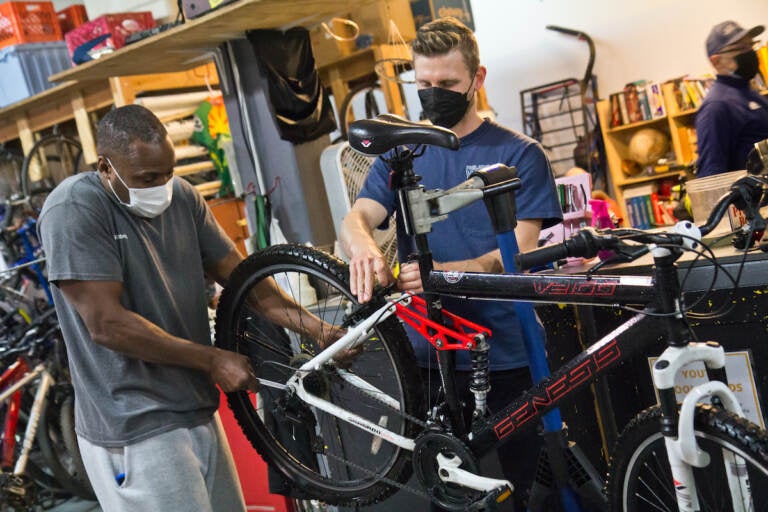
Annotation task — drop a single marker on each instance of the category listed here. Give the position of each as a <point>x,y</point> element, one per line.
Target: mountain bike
<point>38,445</point>
<point>352,433</point>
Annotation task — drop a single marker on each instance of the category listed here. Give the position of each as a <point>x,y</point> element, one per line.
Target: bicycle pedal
<point>490,502</point>
<point>20,492</point>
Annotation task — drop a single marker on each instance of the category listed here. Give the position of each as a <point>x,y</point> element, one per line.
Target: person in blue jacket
<point>732,116</point>
<point>448,76</point>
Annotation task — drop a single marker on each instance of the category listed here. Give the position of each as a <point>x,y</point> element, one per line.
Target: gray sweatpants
<point>184,470</point>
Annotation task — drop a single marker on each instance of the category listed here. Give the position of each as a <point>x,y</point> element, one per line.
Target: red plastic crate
<point>71,17</point>
<point>119,25</point>
<point>28,22</point>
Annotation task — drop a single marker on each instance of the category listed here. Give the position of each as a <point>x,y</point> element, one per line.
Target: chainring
<point>448,495</point>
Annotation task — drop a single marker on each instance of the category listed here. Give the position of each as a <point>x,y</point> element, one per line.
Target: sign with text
<point>741,380</point>
<point>425,11</point>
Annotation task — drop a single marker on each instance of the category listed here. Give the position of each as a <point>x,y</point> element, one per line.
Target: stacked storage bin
<point>31,49</point>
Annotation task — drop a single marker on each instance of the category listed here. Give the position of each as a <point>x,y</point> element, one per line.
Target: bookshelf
<point>677,124</point>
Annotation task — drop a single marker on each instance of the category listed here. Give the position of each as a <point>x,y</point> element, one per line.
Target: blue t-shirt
<point>468,233</point>
<point>731,119</point>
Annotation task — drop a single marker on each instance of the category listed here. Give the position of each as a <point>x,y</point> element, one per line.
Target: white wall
<point>637,39</point>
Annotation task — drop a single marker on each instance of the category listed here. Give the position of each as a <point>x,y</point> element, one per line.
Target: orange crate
<point>28,22</point>
<point>72,17</point>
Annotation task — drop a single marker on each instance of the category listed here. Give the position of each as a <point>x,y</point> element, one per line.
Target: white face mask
<point>145,202</point>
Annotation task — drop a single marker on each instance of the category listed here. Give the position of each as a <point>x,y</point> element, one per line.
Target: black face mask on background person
<point>444,107</point>
<point>747,64</point>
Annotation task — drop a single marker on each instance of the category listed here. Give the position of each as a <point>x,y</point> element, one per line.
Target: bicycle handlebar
<point>746,194</point>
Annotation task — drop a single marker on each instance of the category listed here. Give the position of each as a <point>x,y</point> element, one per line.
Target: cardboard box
<point>119,25</point>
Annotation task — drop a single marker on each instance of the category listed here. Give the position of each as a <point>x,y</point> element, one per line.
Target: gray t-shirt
<point>87,235</point>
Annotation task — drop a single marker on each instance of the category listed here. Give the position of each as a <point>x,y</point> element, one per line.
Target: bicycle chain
<point>370,472</point>
<point>405,415</point>
<point>381,478</point>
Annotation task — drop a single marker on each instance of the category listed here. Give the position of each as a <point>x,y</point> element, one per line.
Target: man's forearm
<point>135,336</point>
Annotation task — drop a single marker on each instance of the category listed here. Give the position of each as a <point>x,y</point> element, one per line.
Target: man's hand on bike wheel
<point>366,267</point>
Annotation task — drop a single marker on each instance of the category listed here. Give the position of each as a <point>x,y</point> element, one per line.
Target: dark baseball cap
<point>727,33</point>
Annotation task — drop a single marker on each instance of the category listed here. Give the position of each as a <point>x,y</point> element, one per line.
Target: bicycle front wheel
<point>317,454</point>
<point>640,478</point>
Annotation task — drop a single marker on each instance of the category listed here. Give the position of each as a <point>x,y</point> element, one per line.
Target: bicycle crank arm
<point>449,471</point>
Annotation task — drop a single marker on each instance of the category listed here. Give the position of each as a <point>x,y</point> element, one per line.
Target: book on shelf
<point>615,110</point>
<point>643,96</point>
<point>690,91</point>
<point>632,101</point>
<point>762,61</point>
<point>623,108</point>
<point>656,100</point>
<point>647,209</point>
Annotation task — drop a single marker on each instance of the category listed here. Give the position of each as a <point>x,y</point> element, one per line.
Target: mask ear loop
<point>112,187</point>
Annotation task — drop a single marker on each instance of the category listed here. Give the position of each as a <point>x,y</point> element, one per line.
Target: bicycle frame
<point>12,381</point>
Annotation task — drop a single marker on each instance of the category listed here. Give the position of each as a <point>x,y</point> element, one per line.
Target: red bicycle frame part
<point>8,435</point>
<point>457,333</point>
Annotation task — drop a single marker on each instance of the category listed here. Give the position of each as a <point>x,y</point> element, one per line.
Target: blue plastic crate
<point>25,68</point>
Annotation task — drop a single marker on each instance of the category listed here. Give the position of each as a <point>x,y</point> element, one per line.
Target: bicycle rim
<point>641,479</point>
<point>49,162</point>
<point>319,454</point>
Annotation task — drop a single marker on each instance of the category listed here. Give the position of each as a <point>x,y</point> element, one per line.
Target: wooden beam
<point>84,129</point>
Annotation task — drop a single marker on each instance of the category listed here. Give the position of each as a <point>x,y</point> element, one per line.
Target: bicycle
<point>345,433</point>
<point>51,159</point>
<point>38,445</point>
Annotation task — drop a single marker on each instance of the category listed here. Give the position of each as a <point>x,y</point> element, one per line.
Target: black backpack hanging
<point>301,105</point>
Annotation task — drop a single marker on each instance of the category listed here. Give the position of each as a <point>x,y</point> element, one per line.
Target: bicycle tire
<point>37,152</point>
<point>276,423</point>
<point>640,479</point>
<point>371,107</point>
<point>52,433</point>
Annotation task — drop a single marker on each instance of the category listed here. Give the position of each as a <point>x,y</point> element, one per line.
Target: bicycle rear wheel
<point>320,455</point>
<point>58,443</point>
<point>640,478</point>
<point>51,159</point>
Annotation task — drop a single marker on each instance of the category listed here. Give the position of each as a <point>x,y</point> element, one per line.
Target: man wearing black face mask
<point>733,116</point>
<point>448,75</point>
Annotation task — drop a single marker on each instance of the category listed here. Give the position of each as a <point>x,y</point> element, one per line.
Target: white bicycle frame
<point>449,470</point>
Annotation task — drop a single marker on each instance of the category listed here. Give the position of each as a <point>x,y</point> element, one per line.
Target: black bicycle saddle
<point>387,131</point>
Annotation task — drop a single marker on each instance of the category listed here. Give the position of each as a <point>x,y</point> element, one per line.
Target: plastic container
<point>71,17</point>
<point>25,68</point>
<point>117,25</point>
<point>28,22</point>
<point>704,193</point>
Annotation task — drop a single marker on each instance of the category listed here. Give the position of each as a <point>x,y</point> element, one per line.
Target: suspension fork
<point>678,428</point>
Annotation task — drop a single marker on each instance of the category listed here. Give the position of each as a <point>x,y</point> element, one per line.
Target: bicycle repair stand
<point>562,468</point>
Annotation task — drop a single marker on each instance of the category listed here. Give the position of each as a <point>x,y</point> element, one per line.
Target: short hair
<point>123,126</point>
<point>442,35</point>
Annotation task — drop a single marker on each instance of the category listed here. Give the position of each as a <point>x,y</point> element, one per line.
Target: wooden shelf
<point>192,44</point>
<point>649,177</point>
<point>638,124</point>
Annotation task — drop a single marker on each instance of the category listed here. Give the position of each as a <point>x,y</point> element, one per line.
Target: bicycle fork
<point>679,437</point>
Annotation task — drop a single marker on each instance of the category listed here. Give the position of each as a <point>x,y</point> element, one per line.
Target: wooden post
<point>391,88</point>
<point>84,130</point>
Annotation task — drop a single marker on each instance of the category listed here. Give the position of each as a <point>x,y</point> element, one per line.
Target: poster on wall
<point>425,11</point>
